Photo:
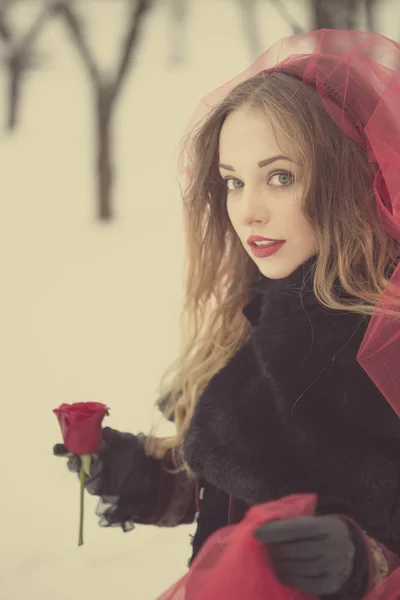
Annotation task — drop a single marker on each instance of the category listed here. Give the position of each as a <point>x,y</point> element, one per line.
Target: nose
<point>253,207</point>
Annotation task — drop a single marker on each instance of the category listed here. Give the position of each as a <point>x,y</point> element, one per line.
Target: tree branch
<point>5,30</point>
<point>286,16</point>
<point>19,56</point>
<point>138,11</point>
<point>76,28</point>
<point>23,43</point>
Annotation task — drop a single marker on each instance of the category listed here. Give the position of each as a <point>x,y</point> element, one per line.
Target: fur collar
<point>299,284</point>
<point>293,411</point>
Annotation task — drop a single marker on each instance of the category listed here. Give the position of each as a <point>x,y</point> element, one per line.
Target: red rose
<point>82,434</point>
<point>81,426</point>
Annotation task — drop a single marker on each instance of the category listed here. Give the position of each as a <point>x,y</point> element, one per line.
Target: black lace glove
<point>319,555</point>
<point>124,477</point>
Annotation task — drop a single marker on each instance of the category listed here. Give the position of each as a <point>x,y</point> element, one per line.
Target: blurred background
<point>95,95</point>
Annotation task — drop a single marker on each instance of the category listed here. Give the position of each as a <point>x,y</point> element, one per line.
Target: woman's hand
<point>122,468</point>
<point>312,554</point>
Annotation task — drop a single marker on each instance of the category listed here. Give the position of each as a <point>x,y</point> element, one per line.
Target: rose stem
<point>82,477</point>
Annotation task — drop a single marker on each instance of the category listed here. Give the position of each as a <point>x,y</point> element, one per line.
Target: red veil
<point>357,76</point>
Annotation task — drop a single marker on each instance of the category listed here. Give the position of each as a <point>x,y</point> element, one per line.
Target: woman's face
<point>264,192</point>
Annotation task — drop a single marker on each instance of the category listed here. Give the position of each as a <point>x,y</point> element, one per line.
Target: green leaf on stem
<point>86,462</point>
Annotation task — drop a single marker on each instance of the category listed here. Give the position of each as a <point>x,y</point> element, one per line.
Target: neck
<point>300,279</point>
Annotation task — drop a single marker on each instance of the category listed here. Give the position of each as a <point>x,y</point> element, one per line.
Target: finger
<point>110,436</point>
<point>110,499</point>
<point>303,551</point>
<point>103,452</point>
<point>59,450</point>
<point>96,468</point>
<point>310,585</point>
<point>74,463</point>
<point>118,439</point>
<point>94,485</point>
<point>305,568</point>
<point>290,530</point>
<point>95,481</point>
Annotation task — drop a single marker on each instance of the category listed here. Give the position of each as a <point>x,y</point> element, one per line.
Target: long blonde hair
<point>339,203</point>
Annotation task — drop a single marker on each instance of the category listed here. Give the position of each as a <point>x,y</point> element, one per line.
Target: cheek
<point>306,234</point>
<point>231,214</point>
<point>299,227</point>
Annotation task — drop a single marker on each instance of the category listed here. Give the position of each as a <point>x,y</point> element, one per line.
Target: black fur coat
<point>294,412</point>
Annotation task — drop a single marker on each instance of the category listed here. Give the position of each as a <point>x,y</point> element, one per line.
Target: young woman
<point>286,393</point>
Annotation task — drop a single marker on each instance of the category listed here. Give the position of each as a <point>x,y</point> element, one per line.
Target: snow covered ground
<point>89,312</point>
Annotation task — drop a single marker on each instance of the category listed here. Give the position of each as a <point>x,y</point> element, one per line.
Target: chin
<point>278,268</point>
<point>278,272</point>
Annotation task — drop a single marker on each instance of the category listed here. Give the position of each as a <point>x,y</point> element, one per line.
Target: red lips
<point>260,238</point>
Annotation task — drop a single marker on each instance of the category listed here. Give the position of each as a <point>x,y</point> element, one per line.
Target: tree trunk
<point>15,73</point>
<point>335,14</point>
<point>105,170</point>
<point>370,6</point>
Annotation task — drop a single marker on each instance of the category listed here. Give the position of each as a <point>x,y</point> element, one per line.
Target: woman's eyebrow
<point>262,163</point>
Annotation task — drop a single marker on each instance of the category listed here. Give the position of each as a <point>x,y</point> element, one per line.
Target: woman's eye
<point>280,179</point>
<point>277,179</point>
<point>232,183</point>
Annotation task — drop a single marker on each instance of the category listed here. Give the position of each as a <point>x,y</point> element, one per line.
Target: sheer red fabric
<point>234,565</point>
<point>357,76</point>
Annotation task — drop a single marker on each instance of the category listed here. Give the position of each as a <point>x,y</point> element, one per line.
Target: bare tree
<point>106,91</point>
<point>370,6</point>
<point>286,16</point>
<point>177,19</point>
<point>248,11</point>
<point>20,56</point>
<point>337,14</point>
